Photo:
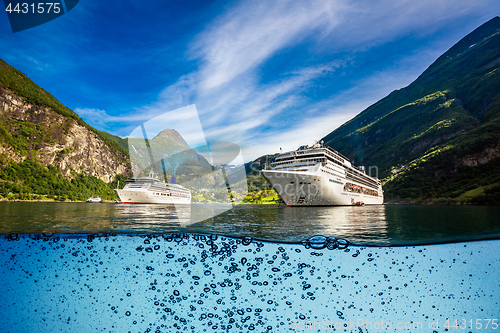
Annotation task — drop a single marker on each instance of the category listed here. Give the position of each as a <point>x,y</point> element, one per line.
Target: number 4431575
<point>478,324</point>
<point>39,8</point>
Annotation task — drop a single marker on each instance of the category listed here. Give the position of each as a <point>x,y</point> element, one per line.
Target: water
<point>82,279</point>
<point>368,225</point>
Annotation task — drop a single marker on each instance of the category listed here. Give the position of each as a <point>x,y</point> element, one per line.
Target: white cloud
<point>252,32</point>
<point>235,105</point>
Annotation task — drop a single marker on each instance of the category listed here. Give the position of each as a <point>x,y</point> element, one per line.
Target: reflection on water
<point>359,223</point>
<point>293,224</point>
<point>368,225</point>
<point>156,217</point>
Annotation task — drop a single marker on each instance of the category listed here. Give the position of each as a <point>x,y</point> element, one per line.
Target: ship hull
<point>311,189</point>
<point>149,197</point>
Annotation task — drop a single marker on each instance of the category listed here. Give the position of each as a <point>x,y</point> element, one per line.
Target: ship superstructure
<point>153,191</point>
<point>319,175</point>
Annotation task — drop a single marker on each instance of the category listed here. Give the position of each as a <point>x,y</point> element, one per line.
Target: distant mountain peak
<point>169,133</point>
<point>172,137</point>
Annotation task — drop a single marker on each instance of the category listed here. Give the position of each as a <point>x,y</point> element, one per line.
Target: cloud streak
<point>251,33</point>
<point>250,89</point>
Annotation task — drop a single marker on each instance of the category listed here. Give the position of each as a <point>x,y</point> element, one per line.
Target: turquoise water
<point>205,283</point>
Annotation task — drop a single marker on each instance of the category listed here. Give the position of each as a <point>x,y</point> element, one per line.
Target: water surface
<point>77,267</point>
<point>368,225</point>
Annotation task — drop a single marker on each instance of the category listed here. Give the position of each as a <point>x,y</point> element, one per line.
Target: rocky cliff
<point>35,126</point>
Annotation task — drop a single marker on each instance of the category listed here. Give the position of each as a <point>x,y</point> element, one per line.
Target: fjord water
<point>111,268</point>
<point>368,225</point>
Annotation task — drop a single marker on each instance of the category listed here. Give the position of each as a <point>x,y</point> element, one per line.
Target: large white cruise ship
<point>321,176</point>
<point>150,190</point>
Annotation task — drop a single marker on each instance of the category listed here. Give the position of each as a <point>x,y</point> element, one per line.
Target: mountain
<point>39,135</point>
<point>437,139</point>
<point>34,125</point>
<point>257,187</point>
<point>48,151</point>
<point>122,143</point>
<point>170,154</point>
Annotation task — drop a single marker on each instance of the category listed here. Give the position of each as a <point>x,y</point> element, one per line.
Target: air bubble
<point>343,243</point>
<point>317,242</point>
<point>246,241</point>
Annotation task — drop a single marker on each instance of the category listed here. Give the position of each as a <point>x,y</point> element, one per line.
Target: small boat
<point>94,200</point>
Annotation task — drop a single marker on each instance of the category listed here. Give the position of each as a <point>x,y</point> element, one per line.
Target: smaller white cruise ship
<point>150,190</point>
<point>321,176</point>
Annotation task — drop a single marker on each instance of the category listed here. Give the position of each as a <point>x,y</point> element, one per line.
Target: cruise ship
<point>321,176</point>
<point>150,190</point>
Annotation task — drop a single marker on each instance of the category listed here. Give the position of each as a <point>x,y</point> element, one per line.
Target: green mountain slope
<point>122,143</point>
<point>21,85</point>
<point>47,151</point>
<point>259,190</point>
<point>439,137</point>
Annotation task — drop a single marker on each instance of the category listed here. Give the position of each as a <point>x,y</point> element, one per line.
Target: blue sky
<point>262,74</point>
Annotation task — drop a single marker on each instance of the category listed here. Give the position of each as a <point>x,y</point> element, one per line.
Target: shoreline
<point>110,201</point>
<point>398,203</point>
<point>46,200</point>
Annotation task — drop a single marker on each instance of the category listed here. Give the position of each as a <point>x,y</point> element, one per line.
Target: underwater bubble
<point>246,240</point>
<point>332,246</point>
<point>317,242</point>
<point>233,288</point>
<point>13,237</point>
<point>343,243</point>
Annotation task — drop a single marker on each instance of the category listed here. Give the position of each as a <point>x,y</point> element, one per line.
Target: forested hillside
<point>439,138</point>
